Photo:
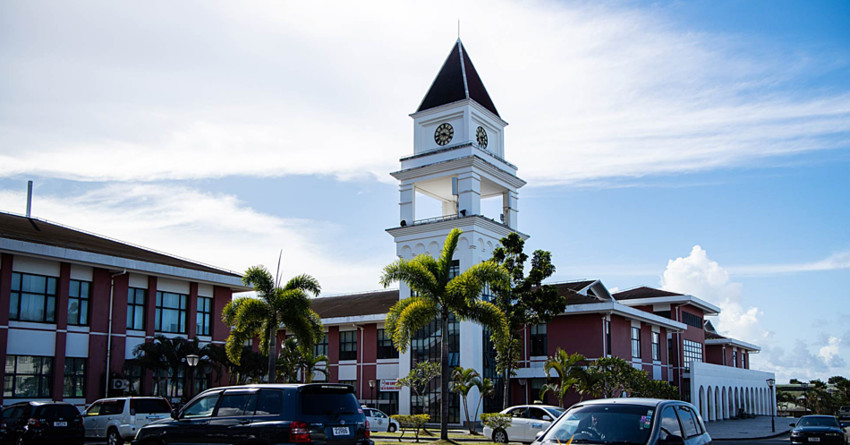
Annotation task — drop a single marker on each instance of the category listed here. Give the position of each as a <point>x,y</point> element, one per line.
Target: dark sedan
<point>821,430</point>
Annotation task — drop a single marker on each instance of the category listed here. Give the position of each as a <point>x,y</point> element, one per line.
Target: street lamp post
<point>192,360</point>
<point>770,383</point>
<point>372,391</point>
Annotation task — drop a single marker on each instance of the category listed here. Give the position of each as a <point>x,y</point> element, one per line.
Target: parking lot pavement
<point>755,428</point>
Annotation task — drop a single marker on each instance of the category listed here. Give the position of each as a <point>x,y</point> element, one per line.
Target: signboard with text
<point>390,385</point>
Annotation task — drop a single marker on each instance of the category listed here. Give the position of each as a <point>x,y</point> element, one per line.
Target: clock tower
<point>458,161</point>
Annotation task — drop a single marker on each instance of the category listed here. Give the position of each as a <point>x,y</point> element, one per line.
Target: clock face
<point>481,137</point>
<point>444,134</point>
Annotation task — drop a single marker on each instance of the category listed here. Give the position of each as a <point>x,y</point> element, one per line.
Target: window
<point>693,352</point>
<point>27,376</point>
<point>487,293</point>
<point>79,294</point>
<point>269,403</point>
<point>204,316</point>
<point>691,319</point>
<point>236,404</point>
<point>321,347</point>
<point>33,298</point>
<point>385,345</point>
<point>735,359</point>
<point>608,337</point>
<point>136,308</point>
<point>635,342</point>
<point>170,312</point>
<point>690,425</point>
<point>656,346</point>
<point>669,424</point>
<point>538,340</point>
<point>75,377</point>
<point>202,407</point>
<point>454,269</point>
<point>348,345</point>
<point>133,374</point>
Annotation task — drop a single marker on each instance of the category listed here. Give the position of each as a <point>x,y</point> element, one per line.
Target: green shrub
<point>415,422</point>
<point>496,420</point>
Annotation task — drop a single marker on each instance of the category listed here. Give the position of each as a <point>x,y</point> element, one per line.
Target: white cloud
<point>215,229</point>
<point>102,90</point>
<point>702,277</point>
<point>836,261</point>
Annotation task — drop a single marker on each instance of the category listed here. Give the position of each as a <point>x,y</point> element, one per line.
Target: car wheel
<point>500,436</point>
<point>113,438</point>
<point>392,428</point>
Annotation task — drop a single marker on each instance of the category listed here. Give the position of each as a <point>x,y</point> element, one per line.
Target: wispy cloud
<point>215,229</point>
<point>100,91</point>
<point>837,261</point>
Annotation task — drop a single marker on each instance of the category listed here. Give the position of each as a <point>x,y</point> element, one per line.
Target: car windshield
<point>608,423</point>
<point>818,421</point>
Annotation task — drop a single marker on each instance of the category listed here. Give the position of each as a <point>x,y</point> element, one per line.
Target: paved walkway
<point>755,428</point>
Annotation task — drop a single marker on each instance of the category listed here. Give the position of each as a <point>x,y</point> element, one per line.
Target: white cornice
<point>625,311</point>
<point>473,160</point>
<point>707,308</point>
<point>465,223</point>
<point>118,263</point>
<point>733,342</point>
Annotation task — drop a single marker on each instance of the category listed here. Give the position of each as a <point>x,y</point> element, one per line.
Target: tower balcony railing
<point>448,218</point>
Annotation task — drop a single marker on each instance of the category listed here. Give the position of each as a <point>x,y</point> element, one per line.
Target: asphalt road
<point>781,440</point>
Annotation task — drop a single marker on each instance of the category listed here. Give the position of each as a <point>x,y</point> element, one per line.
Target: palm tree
<point>262,316</point>
<point>463,380</point>
<point>486,388</point>
<point>311,363</point>
<point>167,354</point>
<point>568,368</point>
<point>437,295</point>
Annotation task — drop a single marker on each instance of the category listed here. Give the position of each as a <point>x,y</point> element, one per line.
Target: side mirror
<point>175,414</point>
<point>547,418</point>
<point>792,424</point>
<point>672,440</point>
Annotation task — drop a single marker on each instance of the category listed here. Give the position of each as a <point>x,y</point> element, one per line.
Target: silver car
<point>118,419</point>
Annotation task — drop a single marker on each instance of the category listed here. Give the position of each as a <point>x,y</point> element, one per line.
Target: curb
<point>771,436</point>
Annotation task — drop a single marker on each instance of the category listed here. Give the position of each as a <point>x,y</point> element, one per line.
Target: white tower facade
<point>458,160</point>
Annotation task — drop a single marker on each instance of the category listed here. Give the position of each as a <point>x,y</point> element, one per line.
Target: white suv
<point>117,419</point>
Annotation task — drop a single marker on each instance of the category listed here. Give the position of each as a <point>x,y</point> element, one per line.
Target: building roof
<point>457,80</point>
<point>644,292</point>
<point>369,303</point>
<point>23,232</point>
<point>646,295</point>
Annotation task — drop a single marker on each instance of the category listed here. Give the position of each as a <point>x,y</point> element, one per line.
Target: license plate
<point>60,423</point>
<point>340,430</point>
<point>814,439</point>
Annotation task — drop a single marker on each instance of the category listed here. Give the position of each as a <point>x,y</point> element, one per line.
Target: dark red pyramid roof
<point>457,80</point>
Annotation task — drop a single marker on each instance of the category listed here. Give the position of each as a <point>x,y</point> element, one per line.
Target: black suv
<point>41,422</point>
<point>326,414</point>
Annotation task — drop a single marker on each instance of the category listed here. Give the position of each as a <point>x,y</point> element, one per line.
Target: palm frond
<point>445,260</point>
<point>413,314</point>
<point>415,273</point>
<point>305,283</point>
<point>260,279</point>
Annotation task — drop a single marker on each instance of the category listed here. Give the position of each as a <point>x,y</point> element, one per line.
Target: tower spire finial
<point>458,29</point>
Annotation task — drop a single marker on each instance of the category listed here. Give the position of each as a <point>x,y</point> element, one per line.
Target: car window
<point>818,421</point>
<point>269,402</point>
<point>327,399</point>
<point>518,412</point>
<point>554,412</point>
<point>94,409</point>
<point>670,423</point>
<point>202,407</point>
<point>690,425</point>
<point>14,412</point>
<point>537,414</point>
<point>377,413</point>
<point>148,406</point>
<point>112,407</point>
<point>602,423</point>
<point>236,404</point>
<point>54,411</point>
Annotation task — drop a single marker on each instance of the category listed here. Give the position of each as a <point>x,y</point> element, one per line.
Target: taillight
<point>368,430</point>
<point>34,423</point>
<point>299,432</point>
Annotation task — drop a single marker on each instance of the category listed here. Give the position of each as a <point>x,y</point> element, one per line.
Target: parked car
<point>526,422</point>
<point>26,423</point>
<point>628,421</point>
<point>824,430</point>
<point>844,412</point>
<point>118,419</point>
<point>266,414</point>
<point>378,421</point>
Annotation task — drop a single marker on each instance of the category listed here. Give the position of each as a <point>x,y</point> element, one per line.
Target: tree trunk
<point>506,388</point>
<point>444,373</point>
<point>272,350</point>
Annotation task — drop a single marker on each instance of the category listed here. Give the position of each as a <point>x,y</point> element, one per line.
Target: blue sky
<point>703,147</point>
